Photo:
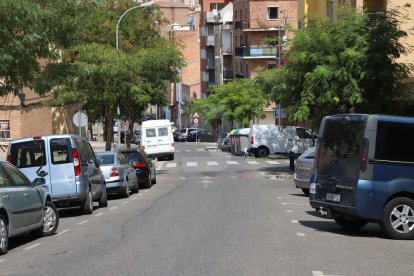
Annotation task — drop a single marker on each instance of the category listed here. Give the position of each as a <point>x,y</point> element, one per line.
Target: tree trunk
<point>109,130</point>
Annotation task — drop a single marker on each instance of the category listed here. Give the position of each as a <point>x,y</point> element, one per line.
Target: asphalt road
<point>209,214</point>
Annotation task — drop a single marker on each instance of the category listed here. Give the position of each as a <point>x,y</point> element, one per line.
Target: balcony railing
<point>238,25</point>
<point>210,40</point>
<point>228,74</point>
<point>256,51</point>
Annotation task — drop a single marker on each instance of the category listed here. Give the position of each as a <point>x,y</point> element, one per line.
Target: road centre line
<point>125,202</point>
<point>113,208</point>
<point>83,221</point>
<point>32,246</point>
<point>191,164</point>
<point>63,232</point>
<point>100,214</point>
<point>294,221</point>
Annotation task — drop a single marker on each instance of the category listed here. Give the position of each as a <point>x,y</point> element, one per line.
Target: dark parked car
<point>144,166</point>
<point>181,135</point>
<point>201,135</point>
<point>24,206</point>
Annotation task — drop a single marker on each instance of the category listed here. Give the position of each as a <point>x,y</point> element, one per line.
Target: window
<point>4,129</point>
<point>4,180</point>
<point>28,154</point>
<point>18,178</point>
<point>83,154</point>
<point>150,132</point>
<point>106,159</point>
<point>272,13</point>
<point>60,149</point>
<point>235,15</point>
<point>303,133</point>
<point>271,65</point>
<point>394,142</point>
<point>163,131</point>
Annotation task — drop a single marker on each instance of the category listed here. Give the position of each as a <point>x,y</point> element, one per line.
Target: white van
<point>272,139</point>
<point>157,139</point>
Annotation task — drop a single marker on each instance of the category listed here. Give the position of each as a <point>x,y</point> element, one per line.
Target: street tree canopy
<point>348,65</point>
<point>238,100</point>
<point>32,32</point>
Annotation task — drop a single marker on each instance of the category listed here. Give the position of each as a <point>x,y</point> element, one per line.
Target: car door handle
<point>6,197</point>
<point>26,195</point>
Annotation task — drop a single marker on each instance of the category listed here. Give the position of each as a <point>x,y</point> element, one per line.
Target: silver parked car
<point>120,176</point>
<point>303,170</point>
<point>24,206</point>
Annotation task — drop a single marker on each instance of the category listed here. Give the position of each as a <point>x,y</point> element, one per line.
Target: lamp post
<point>279,44</point>
<point>146,4</point>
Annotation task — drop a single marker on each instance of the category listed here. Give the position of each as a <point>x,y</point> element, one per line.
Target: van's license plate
<point>333,197</point>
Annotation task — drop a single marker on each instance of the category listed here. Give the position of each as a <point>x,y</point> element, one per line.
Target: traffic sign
<point>195,115</point>
<point>195,120</point>
<point>80,119</point>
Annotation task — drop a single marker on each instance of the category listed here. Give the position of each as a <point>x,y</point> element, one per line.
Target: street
<point>210,213</point>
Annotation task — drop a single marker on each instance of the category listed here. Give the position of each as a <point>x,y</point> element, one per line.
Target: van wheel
<point>350,224</point>
<point>397,218</point>
<point>87,207</point>
<point>262,152</point>
<point>103,201</point>
<point>51,221</point>
<point>4,235</point>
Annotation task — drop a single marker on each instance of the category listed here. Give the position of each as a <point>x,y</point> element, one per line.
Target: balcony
<point>210,63</point>
<point>256,51</point>
<point>238,25</point>
<point>210,40</point>
<point>228,74</point>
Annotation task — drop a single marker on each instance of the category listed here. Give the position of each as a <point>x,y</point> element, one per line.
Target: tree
<point>238,100</point>
<point>32,31</point>
<point>343,66</point>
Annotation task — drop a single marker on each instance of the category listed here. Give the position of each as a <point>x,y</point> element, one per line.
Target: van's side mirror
<point>39,181</point>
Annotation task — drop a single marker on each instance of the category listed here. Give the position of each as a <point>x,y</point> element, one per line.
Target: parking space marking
<point>83,221</point>
<point>300,234</point>
<point>289,211</point>
<point>113,208</point>
<point>212,163</point>
<point>2,260</point>
<point>171,165</point>
<point>297,204</point>
<point>32,246</point>
<point>191,164</point>
<point>252,162</point>
<point>294,221</point>
<point>200,149</point>
<point>279,197</point>
<point>133,198</point>
<point>232,162</point>
<point>273,162</point>
<point>100,214</point>
<point>63,232</point>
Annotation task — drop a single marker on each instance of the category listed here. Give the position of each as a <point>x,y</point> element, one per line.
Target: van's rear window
<point>28,154</point>
<point>395,142</point>
<point>342,138</point>
<point>106,159</point>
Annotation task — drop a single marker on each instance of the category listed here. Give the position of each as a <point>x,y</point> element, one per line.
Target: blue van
<point>364,172</point>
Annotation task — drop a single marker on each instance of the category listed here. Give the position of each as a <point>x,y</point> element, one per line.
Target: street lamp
<point>146,4</point>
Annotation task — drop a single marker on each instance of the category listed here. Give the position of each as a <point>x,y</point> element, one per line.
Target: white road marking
<point>206,177</point>
<point>140,194</point>
<point>279,197</point>
<point>191,164</point>
<point>300,234</point>
<point>83,221</point>
<point>187,150</point>
<point>200,149</point>
<point>289,211</point>
<point>32,246</point>
<point>63,232</point>
<point>294,221</point>
<point>205,181</point>
<point>100,214</point>
<point>2,260</point>
<point>126,202</point>
<point>212,163</point>
<point>317,273</point>
<point>234,177</point>
<point>297,204</point>
<point>171,165</point>
<point>232,162</point>
<point>113,208</point>
<point>183,178</point>
<point>252,162</point>
<point>177,150</point>
<point>273,162</point>
<point>133,198</point>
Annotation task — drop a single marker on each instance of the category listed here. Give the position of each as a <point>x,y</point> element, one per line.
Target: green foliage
<point>239,100</point>
<point>343,66</point>
<point>35,30</point>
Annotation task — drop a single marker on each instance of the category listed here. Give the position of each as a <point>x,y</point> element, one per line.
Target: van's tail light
<point>114,172</point>
<point>251,139</point>
<point>138,164</point>
<point>364,157</point>
<point>76,162</point>
<point>8,158</point>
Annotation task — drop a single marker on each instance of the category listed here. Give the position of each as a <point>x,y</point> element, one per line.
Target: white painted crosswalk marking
<point>232,162</point>
<point>212,163</point>
<point>171,165</point>
<point>273,162</point>
<point>252,162</point>
<point>191,164</point>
